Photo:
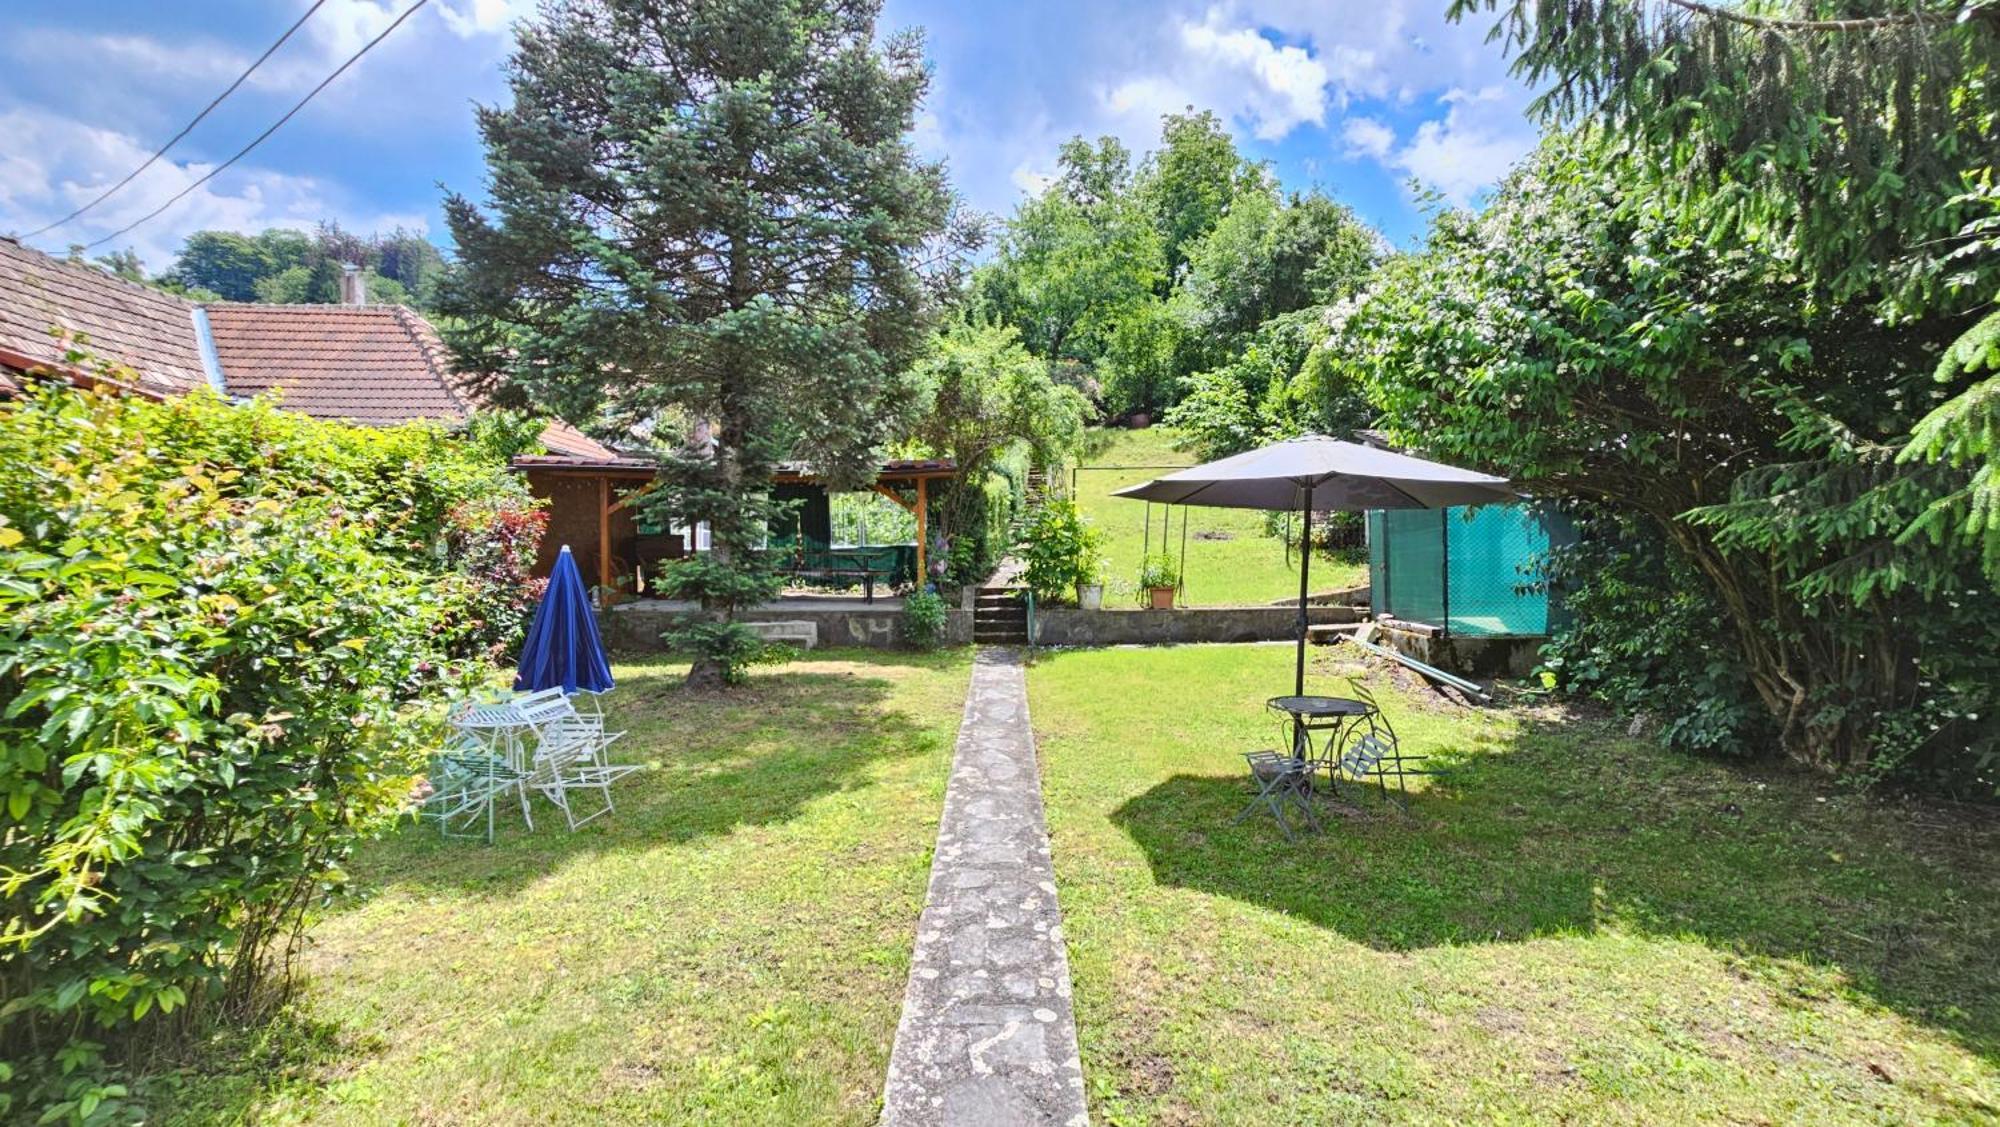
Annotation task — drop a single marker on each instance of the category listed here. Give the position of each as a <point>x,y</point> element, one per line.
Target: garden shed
<point>1467,571</point>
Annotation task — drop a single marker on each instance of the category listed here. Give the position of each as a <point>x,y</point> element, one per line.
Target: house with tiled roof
<point>375,365</point>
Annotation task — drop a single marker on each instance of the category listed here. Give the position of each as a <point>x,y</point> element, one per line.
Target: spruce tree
<point>705,218</point>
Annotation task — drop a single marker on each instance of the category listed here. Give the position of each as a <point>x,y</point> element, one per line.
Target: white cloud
<point>50,165</point>
<point>1289,84</point>
<point>333,33</point>
<point>1271,88</point>
<point>1480,137</point>
<point>1386,49</point>
<point>470,18</point>
<point>1031,181</point>
<point>1365,136</point>
<point>199,62</point>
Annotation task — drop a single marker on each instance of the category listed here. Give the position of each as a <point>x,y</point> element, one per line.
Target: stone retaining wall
<point>635,626</point>
<point>1068,626</point>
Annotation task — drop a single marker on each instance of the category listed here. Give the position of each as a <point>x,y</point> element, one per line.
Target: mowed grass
<point>729,946</point>
<point>1242,566</point>
<point>1567,925</point>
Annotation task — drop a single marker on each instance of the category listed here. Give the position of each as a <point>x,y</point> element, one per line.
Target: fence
<point>1474,571</point>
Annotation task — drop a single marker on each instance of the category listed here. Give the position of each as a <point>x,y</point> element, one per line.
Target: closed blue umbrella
<point>562,650</point>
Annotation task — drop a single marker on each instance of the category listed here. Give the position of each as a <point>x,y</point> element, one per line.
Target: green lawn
<point>1229,558</point>
<point>1568,925</point>
<point>729,946</point>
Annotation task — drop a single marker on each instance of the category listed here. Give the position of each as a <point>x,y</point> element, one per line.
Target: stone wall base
<point>635,626</point>
<point>1069,626</point>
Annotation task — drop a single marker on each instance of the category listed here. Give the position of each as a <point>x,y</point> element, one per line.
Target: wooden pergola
<point>893,480</point>
<point>587,495</point>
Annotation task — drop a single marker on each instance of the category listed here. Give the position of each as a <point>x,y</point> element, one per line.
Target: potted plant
<point>1090,588</point>
<point>1090,572</point>
<point>1158,577</point>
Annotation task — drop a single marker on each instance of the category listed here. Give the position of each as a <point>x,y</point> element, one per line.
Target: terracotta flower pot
<point>1163,597</point>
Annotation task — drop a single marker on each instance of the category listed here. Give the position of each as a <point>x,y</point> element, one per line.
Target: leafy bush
<point>1579,339</point>
<point>223,640</point>
<point>1060,550</point>
<point>924,616</point>
<point>1644,637</point>
<point>491,541</point>
<point>981,515</point>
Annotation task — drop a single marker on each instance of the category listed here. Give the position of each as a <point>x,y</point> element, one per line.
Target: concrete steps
<point>1000,616</point>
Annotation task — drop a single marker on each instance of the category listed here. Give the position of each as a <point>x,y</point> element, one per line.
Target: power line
<point>175,139</point>
<point>245,150</point>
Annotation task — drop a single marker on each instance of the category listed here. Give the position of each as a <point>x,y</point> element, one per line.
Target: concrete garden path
<point>988,1035</point>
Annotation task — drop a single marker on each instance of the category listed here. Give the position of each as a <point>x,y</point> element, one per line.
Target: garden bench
<point>800,633</point>
<point>844,572</point>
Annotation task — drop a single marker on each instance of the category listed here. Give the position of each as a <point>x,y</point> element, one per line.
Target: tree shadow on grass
<point>1560,836</point>
<point>712,763</point>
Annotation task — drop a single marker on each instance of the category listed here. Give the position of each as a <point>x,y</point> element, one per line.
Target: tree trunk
<point>731,436</point>
<point>708,672</point>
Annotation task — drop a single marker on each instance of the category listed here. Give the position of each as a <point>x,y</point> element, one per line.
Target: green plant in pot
<point>1061,551</point>
<point>1090,583</point>
<point>1158,577</point>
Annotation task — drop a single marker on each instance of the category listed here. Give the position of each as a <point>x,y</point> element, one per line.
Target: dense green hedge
<point>225,632</point>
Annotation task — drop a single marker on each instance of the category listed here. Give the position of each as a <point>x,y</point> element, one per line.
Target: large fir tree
<point>706,212</point>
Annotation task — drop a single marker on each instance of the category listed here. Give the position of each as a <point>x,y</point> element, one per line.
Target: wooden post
<point>923,532</point>
<point>604,540</point>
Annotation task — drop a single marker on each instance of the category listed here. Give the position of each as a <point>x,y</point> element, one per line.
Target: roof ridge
<point>99,273</point>
<point>305,306</point>
<point>426,339</point>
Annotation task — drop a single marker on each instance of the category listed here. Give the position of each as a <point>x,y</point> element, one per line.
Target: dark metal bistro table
<point>1308,715</point>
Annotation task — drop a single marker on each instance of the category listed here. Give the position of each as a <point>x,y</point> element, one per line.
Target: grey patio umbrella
<point>1316,473</point>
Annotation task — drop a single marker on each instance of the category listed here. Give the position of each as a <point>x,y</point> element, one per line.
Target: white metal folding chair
<point>467,778</point>
<point>570,753</point>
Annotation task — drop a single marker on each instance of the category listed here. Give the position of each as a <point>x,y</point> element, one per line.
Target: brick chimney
<point>353,289</point>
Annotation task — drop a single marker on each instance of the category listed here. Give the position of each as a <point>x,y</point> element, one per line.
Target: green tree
<point>284,248</point>
<point>982,392</point>
<point>1075,261</point>
<point>222,262</point>
<point>1261,392</point>
<point>125,264</point>
<point>286,287</point>
<point>708,208</point>
<point>1269,257</point>
<point>1857,141</point>
<point>1192,181</point>
<point>1590,344</point>
<point>990,406</point>
<point>411,261</point>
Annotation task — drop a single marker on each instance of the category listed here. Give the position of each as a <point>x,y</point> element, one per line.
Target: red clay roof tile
<point>144,329</point>
<point>363,363</point>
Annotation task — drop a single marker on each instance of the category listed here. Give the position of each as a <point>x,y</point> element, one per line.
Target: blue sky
<point>1356,97</point>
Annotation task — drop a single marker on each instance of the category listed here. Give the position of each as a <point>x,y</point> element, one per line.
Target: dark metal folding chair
<point>1281,781</point>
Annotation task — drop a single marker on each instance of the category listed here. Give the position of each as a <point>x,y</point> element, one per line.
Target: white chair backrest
<point>500,714</point>
<point>542,709</point>
<point>1364,755</point>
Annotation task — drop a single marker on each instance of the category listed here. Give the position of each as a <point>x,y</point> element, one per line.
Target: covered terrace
<point>590,506</point>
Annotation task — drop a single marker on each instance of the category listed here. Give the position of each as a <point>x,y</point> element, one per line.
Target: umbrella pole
<point>1305,570</point>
